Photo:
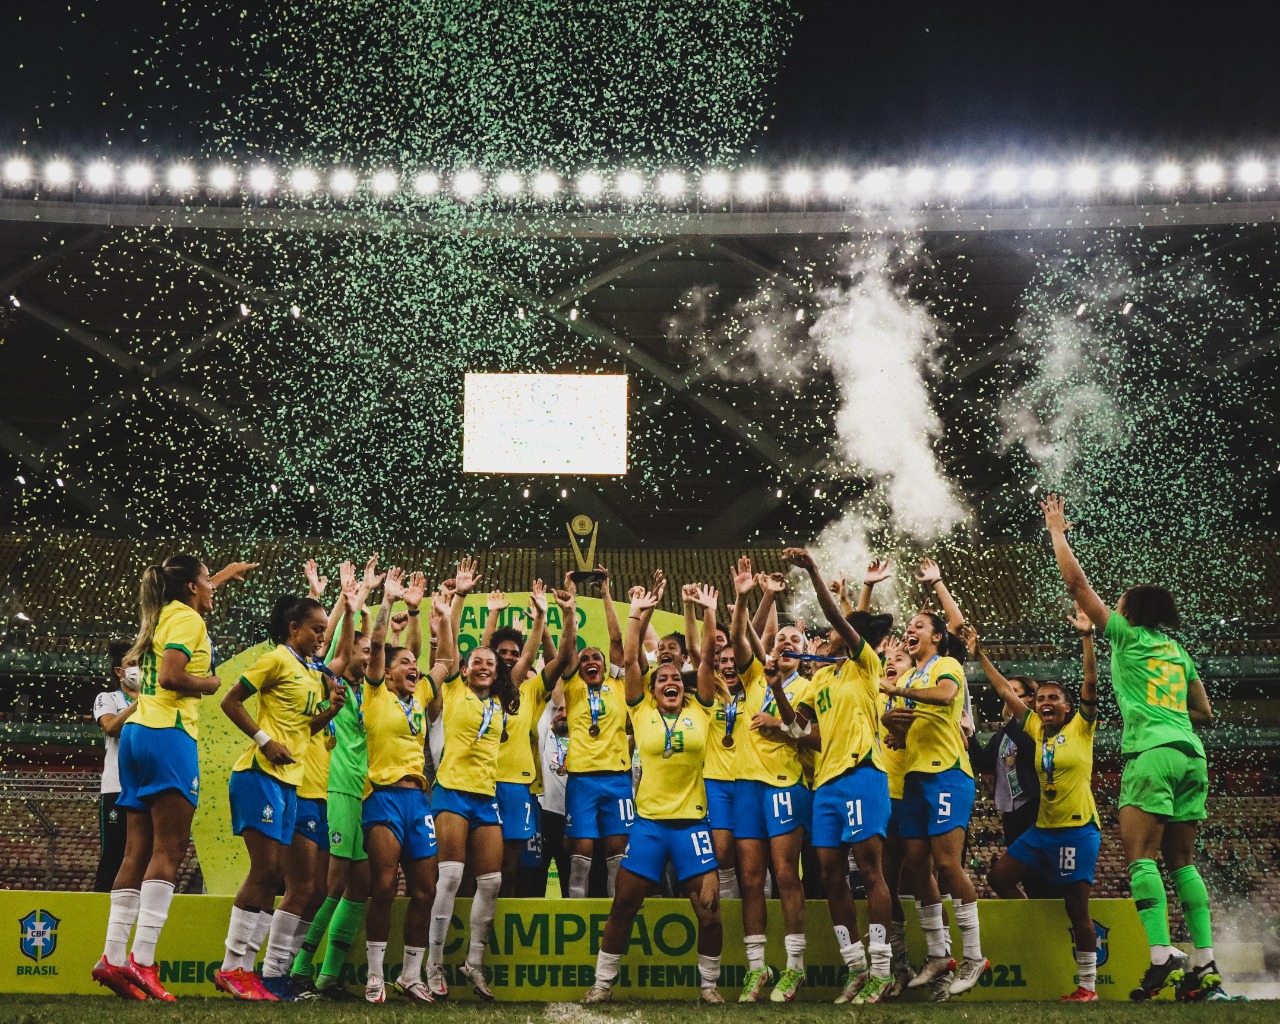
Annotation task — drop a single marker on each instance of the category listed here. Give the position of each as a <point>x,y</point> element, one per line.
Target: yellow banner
<point>545,950</point>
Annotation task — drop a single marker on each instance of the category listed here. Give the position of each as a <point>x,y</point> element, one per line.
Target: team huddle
<point>750,742</point>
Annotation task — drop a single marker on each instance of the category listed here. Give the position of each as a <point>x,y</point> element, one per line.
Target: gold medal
<point>667,753</point>
<point>562,770</point>
<point>727,741</point>
<point>1050,792</point>
<point>594,730</point>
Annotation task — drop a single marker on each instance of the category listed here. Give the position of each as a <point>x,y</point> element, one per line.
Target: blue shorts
<point>935,804</point>
<point>478,810</point>
<point>761,811</point>
<point>407,812</point>
<point>1059,855</point>
<point>894,827</point>
<point>261,801</point>
<point>155,760</point>
<point>312,822</point>
<point>531,852</point>
<point>851,808</point>
<point>600,805</point>
<point>517,811</point>
<point>651,844</point>
<point>720,804</point>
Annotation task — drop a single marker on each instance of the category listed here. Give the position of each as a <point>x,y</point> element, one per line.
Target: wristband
<point>414,612</point>
<point>261,738</point>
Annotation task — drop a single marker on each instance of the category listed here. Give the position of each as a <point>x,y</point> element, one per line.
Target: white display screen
<point>566,423</point>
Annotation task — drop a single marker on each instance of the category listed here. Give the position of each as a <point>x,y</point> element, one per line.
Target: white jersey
<point>552,750</point>
<point>113,702</point>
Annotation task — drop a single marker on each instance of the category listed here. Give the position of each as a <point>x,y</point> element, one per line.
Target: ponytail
<point>160,585</point>
<point>287,610</point>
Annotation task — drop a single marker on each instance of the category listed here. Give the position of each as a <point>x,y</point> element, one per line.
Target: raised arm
<point>446,659</point>
<point>877,572</point>
<point>1004,689</point>
<point>413,596</point>
<point>801,559</point>
<point>1089,684</point>
<point>497,604</point>
<point>234,571</point>
<point>708,598</point>
<point>637,622</point>
<point>316,584</point>
<point>392,589</point>
<point>465,578</point>
<point>689,599</point>
<point>744,581</point>
<point>565,661</point>
<point>765,622</point>
<point>529,654</point>
<point>346,635</point>
<point>931,576</point>
<point>1055,521</point>
<point>347,578</point>
<point>610,618</point>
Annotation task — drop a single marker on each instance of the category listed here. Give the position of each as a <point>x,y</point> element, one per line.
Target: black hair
<point>503,686</point>
<point>1055,683</point>
<point>507,633</point>
<point>722,628</point>
<point>872,628</point>
<point>684,647</point>
<point>1028,684</point>
<point>287,610</point>
<point>1151,607</point>
<point>116,650</point>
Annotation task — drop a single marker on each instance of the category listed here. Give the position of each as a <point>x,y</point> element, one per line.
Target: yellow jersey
<point>315,767</point>
<point>894,761</point>
<point>608,751</point>
<point>727,719</point>
<point>289,694</point>
<point>671,788</point>
<point>1064,763</point>
<point>934,741</point>
<point>180,628</point>
<point>768,755</point>
<point>516,753</point>
<point>845,699</point>
<point>396,734</point>
<point>472,736</point>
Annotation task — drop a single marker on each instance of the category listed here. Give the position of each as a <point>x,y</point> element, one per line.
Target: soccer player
<point>727,729</point>
<point>771,806</point>
<point>1062,847</point>
<point>672,732</point>
<point>1166,781</point>
<point>295,701</point>
<point>851,798</point>
<point>399,831</point>
<point>111,710</point>
<point>938,795</point>
<point>159,767</point>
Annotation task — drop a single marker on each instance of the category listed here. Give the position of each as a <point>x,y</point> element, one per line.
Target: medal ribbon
<point>596,703</point>
<point>558,758</point>
<point>1047,751</point>
<point>666,750</point>
<point>407,708</point>
<point>487,720</point>
<point>813,657</point>
<point>731,714</point>
<point>316,665</point>
<point>922,673</point>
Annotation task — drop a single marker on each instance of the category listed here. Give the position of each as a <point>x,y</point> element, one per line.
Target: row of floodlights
<point>671,186</point>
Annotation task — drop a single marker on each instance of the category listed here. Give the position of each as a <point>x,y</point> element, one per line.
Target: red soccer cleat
<point>148,979</point>
<point>1081,995</point>
<point>115,978</point>
<point>242,984</point>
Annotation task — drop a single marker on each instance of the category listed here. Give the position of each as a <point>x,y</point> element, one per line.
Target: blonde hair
<point>160,585</point>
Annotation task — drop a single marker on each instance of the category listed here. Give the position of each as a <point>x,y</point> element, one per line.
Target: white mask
<point>133,677</point>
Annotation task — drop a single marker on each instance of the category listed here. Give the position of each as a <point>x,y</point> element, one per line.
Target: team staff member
<point>159,768</point>
<point>291,683</point>
<point>770,802</point>
<point>851,798</point>
<point>111,710</point>
<point>672,733</point>
<point>1166,781</point>
<point>553,750</point>
<point>1062,847</point>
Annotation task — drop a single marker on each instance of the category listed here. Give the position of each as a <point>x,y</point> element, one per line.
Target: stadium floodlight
<point>875,184</point>
<point>99,174</point>
<point>1252,173</point>
<point>509,183</point>
<point>262,179</point>
<point>17,170</point>
<point>958,181</point>
<point>1082,178</point>
<point>222,178</point>
<point>342,182</point>
<point>304,181</point>
<point>797,184</point>
<point>385,183</point>
<point>467,184</point>
<point>1003,181</point>
<point>57,172</point>
<point>1168,175</point>
<point>629,184</point>
<point>714,186</point>
<point>1042,180</point>
<point>1209,174</point>
<point>427,183</point>
<point>1126,177</point>
<point>589,185</point>
<point>138,177</point>
<point>671,185</point>
<point>752,185</point>
<point>546,184</point>
<point>181,178</point>
<point>919,180</point>
<point>837,183</point>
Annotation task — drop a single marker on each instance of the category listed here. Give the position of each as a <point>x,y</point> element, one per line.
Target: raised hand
<point>393,585</point>
<point>771,582</point>
<point>744,580</point>
<point>346,576</point>
<point>633,593</point>
<point>352,595</point>
<point>315,582</point>
<point>706,596</point>
<point>498,601</point>
<point>235,571</point>
<point>371,575</point>
<point>603,581</point>
<point>569,586</point>
<point>538,597</point>
<point>970,637</point>
<point>441,602</point>
<point>928,573</point>
<point>1055,514</point>
<point>839,588</point>
<point>566,599</point>
<point>799,557</point>
<point>646,601</point>
<point>1080,622</point>
<point>689,593</point>
<point>466,576</point>
<point>877,572</point>
<point>416,590</point>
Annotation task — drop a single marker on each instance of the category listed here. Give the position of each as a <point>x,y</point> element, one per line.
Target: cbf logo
<point>38,935</point>
<point>1104,947</point>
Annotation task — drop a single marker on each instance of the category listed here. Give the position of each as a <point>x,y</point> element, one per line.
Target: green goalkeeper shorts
<point>346,836</point>
<point>1166,782</point>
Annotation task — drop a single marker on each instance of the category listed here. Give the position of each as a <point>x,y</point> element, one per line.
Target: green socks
<point>1194,898</point>
<point>319,924</point>
<point>1147,888</point>
<point>346,921</point>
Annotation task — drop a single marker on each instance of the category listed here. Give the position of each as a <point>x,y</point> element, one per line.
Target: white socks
<point>261,929</point>
<point>729,884</point>
<point>613,863</point>
<point>1087,965</point>
<point>755,951</point>
<point>442,909</point>
<point>970,937</point>
<point>794,945</point>
<point>935,933</point>
<point>239,935</point>
<point>411,972</point>
<point>124,913</point>
<point>1203,957</point>
<point>483,907</point>
<point>1160,954</point>
<point>153,910</point>
<point>709,970</point>
<point>279,955</point>
<point>376,953</point>
<point>607,967</point>
<point>579,876</point>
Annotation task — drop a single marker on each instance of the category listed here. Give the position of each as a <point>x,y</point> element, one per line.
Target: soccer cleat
<point>1160,977</point>
<point>436,985</point>
<point>940,987</point>
<point>788,985</point>
<point>375,991</point>
<point>304,989</point>
<point>933,968</point>
<point>335,993</point>
<point>852,986</point>
<point>148,979</point>
<point>756,982</point>
<point>414,990</point>
<point>876,990</point>
<point>967,975</point>
<point>1081,995</point>
<point>710,997</point>
<point>281,987</point>
<point>902,975</point>
<point>598,993</point>
<point>1197,983</point>
<point>115,978</point>
<point>474,973</point>
<point>242,984</point>
<point>1217,995</point>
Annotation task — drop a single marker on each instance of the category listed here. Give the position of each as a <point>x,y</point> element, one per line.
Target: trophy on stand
<point>581,528</point>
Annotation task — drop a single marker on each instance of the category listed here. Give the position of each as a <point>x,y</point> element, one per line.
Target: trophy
<point>581,528</point>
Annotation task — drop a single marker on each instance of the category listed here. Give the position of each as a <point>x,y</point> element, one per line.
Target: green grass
<point>26,1009</point>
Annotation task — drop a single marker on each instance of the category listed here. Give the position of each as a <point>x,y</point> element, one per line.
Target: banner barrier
<point>545,950</point>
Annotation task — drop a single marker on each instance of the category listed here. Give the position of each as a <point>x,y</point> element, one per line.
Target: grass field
<point>93,1010</point>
